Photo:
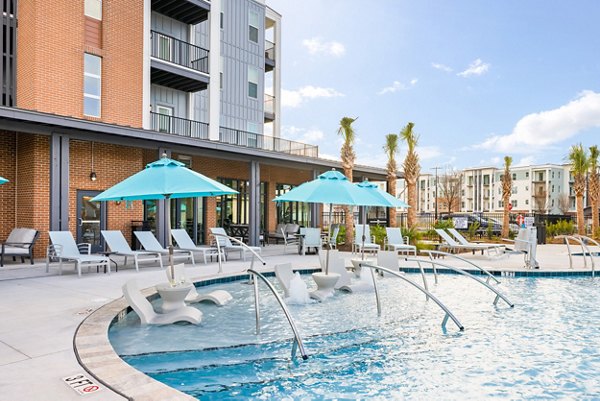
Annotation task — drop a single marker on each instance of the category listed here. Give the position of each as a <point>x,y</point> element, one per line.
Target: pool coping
<point>96,355</point>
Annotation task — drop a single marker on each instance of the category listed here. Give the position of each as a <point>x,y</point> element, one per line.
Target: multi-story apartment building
<point>477,189</point>
<point>94,90</point>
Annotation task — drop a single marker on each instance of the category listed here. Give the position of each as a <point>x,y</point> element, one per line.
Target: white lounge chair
<point>225,243</point>
<point>369,245</point>
<point>452,245</point>
<point>284,275</point>
<point>64,248</point>
<point>151,244</point>
<point>311,239</point>
<point>218,297</point>
<point>395,242</point>
<point>118,245</point>
<point>344,283</point>
<point>463,241</point>
<point>187,244</point>
<point>148,315</point>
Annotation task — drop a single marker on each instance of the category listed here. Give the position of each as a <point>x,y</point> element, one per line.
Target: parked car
<point>462,222</point>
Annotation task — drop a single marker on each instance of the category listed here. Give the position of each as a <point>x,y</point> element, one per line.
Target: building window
<point>514,176</point>
<point>552,188</point>
<point>221,21</point>
<point>253,82</point>
<point>253,26</point>
<point>514,203</point>
<point>92,83</point>
<point>164,118</point>
<point>93,9</point>
<point>514,190</point>
<point>527,174</point>
<point>252,134</point>
<point>527,201</point>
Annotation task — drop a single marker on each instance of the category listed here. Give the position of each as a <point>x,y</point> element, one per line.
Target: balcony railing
<point>264,142</point>
<point>269,50</point>
<point>179,126</point>
<point>269,107</point>
<point>168,48</point>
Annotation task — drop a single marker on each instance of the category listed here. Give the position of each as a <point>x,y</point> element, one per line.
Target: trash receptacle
<point>541,233</point>
<point>138,226</point>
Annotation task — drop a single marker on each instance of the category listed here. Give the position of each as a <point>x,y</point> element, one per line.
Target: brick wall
<point>7,191</point>
<point>50,58</point>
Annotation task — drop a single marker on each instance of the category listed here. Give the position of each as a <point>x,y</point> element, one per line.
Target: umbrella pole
<point>329,247</point>
<point>170,240</point>
<point>364,219</point>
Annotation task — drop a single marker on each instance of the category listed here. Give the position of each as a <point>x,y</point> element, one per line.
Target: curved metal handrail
<point>464,273</point>
<point>449,314</point>
<point>489,275</point>
<point>584,240</point>
<point>298,344</point>
<point>242,244</point>
<point>580,239</point>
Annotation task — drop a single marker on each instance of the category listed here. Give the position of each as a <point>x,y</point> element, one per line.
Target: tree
<point>391,148</point>
<point>506,192</point>
<point>348,156</point>
<point>450,188</point>
<point>579,166</point>
<point>564,203</point>
<point>411,171</point>
<point>594,186</point>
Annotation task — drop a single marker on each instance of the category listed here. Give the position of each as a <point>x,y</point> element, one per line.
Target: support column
<point>214,60</point>
<point>315,216</point>
<point>254,223</point>
<point>59,182</point>
<point>161,211</point>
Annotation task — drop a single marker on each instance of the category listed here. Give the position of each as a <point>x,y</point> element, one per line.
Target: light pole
<point>436,190</point>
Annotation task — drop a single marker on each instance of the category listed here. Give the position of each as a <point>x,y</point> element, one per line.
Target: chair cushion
<point>15,250</point>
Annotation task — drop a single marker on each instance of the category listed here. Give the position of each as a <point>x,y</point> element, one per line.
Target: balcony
<point>264,142</point>
<point>178,64</point>
<point>187,11</point>
<point>269,55</point>
<point>178,126</point>
<point>269,108</point>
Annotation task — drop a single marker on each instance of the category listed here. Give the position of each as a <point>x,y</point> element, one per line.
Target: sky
<point>479,79</point>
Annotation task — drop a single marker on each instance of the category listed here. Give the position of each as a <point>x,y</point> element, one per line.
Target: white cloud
<point>477,67</point>
<point>441,67</point>
<point>538,130</point>
<point>298,134</point>
<point>317,45</point>
<point>428,152</point>
<point>397,86</point>
<point>294,98</point>
<point>526,161</point>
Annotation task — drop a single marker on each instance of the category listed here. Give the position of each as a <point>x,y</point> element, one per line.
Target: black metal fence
<point>179,126</point>
<point>178,52</point>
<point>265,142</point>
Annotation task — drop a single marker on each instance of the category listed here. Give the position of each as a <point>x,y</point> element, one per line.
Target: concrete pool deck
<point>41,312</point>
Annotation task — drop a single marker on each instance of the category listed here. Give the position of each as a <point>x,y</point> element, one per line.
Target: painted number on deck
<point>82,384</point>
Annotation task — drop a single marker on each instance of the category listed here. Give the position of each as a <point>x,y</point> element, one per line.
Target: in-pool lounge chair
<point>19,243</point>
<point>226,244</point>
<point>148,315</point>
<point>344,283</point>
<point>369,245</point>
<point>64,248</point>
<point>452,245</point>
<point>118,245</point>
<point>395,242</point>
<point>218,297</point>
<point>151,244</point>
<point>284,275</point>
<point>187,244</point>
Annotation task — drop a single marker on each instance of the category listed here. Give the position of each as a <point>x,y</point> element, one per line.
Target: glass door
<point>91,218</point>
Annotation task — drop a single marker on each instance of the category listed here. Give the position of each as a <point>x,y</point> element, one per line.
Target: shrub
<point>379,233</point>
<point>472,230</point>
<point>561,227</point>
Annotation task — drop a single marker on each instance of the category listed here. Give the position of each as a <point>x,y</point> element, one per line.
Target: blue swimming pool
<point>547,347</point>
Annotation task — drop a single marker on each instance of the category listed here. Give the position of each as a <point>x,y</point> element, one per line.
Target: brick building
<point>92,91</point>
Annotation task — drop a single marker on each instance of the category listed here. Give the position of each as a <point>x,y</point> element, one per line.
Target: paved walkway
<point>40,313</point>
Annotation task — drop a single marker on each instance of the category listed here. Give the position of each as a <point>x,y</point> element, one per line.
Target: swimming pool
<point>547,347</point>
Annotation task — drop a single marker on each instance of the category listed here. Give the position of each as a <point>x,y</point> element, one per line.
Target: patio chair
<point>311,239</point>
<point>118,245</point>
<point>148,315</point>
<point>218,297</point>
<point>331,238</point>
<point>64,248</point>
<point>151,244</point>
<point>394,242</point>
<point>185,243</point>
<point>226,244</point>
<point>369,245</point>
<point>289,240</point>
<point>451,245</point>
<point>19,243</point>
<point>278,234</point>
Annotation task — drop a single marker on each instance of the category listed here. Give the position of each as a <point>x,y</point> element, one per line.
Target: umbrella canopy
<point>329,187</point>
<point>164,178</point>
<point>385,199</point>
<point>3,180</point>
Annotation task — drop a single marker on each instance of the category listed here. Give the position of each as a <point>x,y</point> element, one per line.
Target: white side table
<point>173,297</point>
<point>325,285</point>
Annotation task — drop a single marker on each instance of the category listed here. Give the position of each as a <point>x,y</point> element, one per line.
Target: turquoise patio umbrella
<point>3,180</point>
<point>164,179</point>
<point>331,187</point>
<point>384,199</point>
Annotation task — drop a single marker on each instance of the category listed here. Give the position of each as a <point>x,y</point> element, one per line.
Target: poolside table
<point>173,297</point>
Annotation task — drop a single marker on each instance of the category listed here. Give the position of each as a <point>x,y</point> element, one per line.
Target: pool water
<point>546,347</point>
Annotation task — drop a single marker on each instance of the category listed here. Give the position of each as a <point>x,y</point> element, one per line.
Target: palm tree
<point>579,165</point>
<point>411,171</point>
<point>348,156</point>
<point>506,191</point>
<point>391,148</point>
<point>594,186</point>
